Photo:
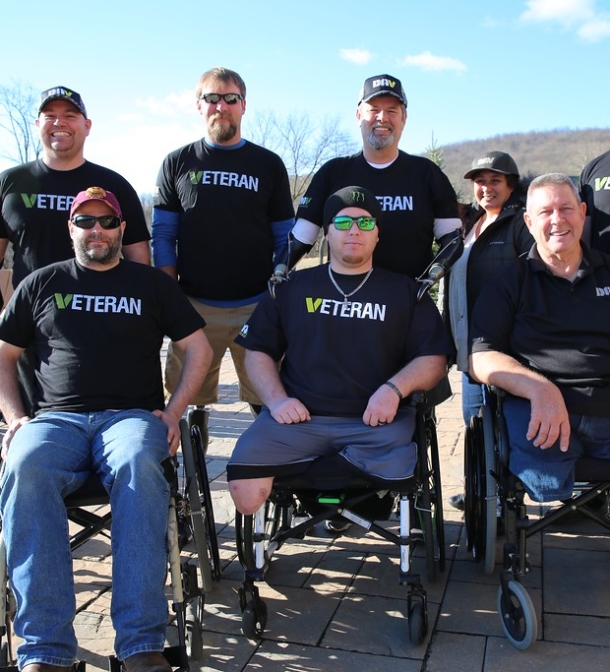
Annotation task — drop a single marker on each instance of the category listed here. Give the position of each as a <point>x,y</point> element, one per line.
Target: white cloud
<point>172,104</point>
<point>579,15</point>
<point>595,31</point>
<point>358,56</point>
<point>428,61</point>
<point>568,12</point>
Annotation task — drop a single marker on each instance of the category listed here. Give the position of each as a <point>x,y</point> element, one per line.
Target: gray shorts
<point>268,448</point>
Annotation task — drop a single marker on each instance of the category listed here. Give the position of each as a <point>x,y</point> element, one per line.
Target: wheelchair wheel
<point>196,512</point>
<point>254,619</point>
<point>436,493</point>
<point>431,513</point>
<point>245,533</point>
<point>517,615</point>
<point>193,635</point>
<point>418,623</point>
<point>474,469</point>
<point>200,444</point>
<point>490,507</point>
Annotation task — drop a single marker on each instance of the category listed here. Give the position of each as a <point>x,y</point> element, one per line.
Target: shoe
<point>147,661</point>
<point>45,667</point>
<point>457,501</point>
<point>336,526</point>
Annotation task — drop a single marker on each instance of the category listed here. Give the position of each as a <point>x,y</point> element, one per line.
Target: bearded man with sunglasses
<point>97,323</point>
<point>222,210</point>
<point>353,343</point>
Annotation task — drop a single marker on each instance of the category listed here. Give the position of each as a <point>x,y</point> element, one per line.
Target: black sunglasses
<point>88,221</point>
<point>229,98</point>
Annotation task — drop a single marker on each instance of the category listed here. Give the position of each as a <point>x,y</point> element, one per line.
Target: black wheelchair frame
<point>489,481</point>
<point>190,519</point>
<point>260,536</point>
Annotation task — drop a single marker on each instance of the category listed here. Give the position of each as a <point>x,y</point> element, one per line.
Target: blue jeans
<point>51,457</point>
<point>472,398</point>
<point>548,475</point>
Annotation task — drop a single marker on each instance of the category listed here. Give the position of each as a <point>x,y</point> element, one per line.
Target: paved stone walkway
<point>335,603</point>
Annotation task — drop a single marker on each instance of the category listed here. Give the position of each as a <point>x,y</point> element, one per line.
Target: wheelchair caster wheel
<point>254,620</point>
<point>418,624</point>
<point>193,637</point>
<point>518,615</point>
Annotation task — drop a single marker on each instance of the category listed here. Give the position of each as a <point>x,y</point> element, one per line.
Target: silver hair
<point>552,180</point>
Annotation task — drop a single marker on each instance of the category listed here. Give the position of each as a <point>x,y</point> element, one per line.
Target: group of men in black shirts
<point>223,226</point>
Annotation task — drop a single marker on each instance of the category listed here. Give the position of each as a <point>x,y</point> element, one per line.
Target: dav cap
<point>96,194</point>
<point>351,197</point>
<point>62,93</point>
<point>382,85</point>
<point>497,162</point>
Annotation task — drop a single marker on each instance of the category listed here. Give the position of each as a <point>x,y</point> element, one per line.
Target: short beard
<point>380,142</point>
<point>105,257</point>
<point>221,132</point>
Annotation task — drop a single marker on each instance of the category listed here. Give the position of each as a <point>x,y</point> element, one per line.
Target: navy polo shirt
<point>552,325</point>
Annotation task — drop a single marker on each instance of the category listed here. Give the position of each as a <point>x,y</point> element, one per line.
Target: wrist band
<point>391,385</point>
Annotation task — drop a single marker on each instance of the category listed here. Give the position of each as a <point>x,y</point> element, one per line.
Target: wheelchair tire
<point>436,492</point>
<point>490,507</point>
<point>244,533</point>
<point>517,615</point>
<point>431,512</point>
<point>197,513</point>
<point>474,499</point>
<point>200,443</point>
<point>418,623</point>
<point>254,620</point>
<point>193,635</point>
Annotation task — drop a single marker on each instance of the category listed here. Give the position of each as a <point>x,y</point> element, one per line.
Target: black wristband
<point>391,385</point>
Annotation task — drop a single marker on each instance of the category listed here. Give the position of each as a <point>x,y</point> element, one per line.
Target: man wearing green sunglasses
<point>353,342</point>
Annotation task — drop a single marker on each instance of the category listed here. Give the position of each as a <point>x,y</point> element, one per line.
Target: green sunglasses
<point>345,223</point>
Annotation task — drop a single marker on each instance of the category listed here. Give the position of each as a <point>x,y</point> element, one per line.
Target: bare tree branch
<point>303,144</point>
<point>18,105</point>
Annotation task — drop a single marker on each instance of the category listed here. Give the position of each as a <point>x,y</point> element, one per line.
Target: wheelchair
<point>190,520</point>
<point>327,492</point>
<point>491,489</point>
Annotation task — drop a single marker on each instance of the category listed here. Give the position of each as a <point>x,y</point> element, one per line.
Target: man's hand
<point>280,274</point>
<point>13,427</point>
<point>289,411</point>
<point>549,419</point>
<point>382,407</point>
<point>173,429</point>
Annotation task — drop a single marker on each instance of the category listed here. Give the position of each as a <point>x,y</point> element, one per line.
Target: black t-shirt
<point>97,335</point>
<point>413,193</point>
<point>551,325</point>
<point>336,354</point>
<point>227,200</point>
<point>595,192</point>
<point>35,205</point>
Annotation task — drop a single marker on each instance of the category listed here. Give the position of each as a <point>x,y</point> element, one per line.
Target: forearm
<point>503,371</point>
<point>138,252</point>
<point>197,359</point>
<point>264,373</point>
<point>423,373</point>
<point>10,396</point>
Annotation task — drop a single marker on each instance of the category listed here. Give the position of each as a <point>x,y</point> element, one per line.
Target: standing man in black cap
<point>418,202</point>
<point>353,342</point>
<point>35,199</point>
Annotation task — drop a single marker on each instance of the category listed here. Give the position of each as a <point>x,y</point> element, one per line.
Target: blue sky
<point>470,69</point>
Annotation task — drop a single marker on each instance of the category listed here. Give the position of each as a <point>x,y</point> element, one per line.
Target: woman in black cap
<point>495,234</point>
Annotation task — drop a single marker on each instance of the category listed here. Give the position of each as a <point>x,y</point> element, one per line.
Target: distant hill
<point>564,151</point>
